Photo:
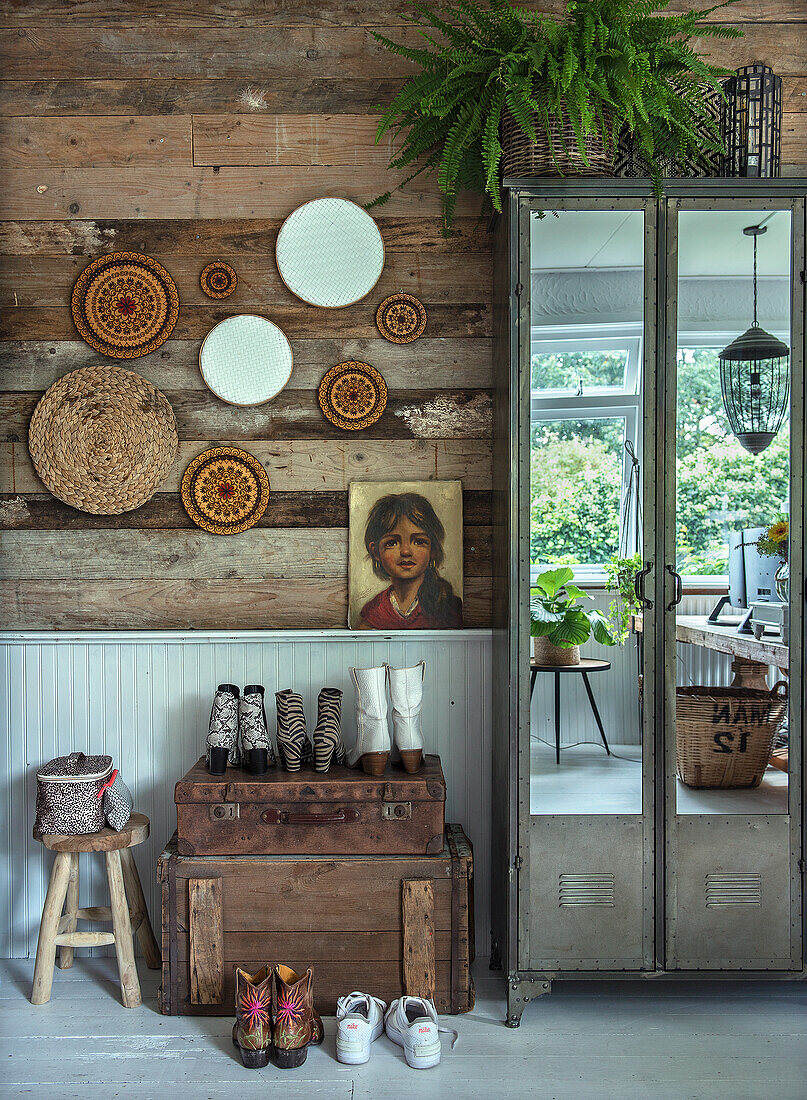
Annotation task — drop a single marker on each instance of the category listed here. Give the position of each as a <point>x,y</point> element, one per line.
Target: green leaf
<point>575,593</point>
<point>552,580</point>
<point>574,630</point>
<point>601,628</point>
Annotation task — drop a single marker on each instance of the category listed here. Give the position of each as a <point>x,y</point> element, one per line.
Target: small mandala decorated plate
<point>225,490</point>
<point>125,305</point>
<point>401,318</point>
<point>218,280</point>
<point>352,395</point>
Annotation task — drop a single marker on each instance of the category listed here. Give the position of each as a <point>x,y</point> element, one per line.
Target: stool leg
<point>533,674</point>
<point>70,910</point>
<point>48,929</point>
<point>597,718</point>
<point>139,912</point>
<point>124,948</point>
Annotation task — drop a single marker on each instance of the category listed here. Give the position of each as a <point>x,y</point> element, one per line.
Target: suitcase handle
<point>294,817</point>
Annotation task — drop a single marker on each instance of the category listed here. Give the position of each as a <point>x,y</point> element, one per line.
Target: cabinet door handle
<point>638,586</point>
<point>679,588</point>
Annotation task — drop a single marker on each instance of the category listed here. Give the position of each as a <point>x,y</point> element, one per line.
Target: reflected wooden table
<point>751,656</point>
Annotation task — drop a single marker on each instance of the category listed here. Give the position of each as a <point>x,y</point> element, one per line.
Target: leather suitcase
<point>408,926</point>
<point>342,812</point>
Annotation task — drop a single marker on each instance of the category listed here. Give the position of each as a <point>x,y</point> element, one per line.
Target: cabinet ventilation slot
<point>592,889</point>
<point>733,888</point>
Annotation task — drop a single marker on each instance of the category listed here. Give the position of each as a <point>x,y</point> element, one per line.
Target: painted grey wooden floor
<point>628,1040</point>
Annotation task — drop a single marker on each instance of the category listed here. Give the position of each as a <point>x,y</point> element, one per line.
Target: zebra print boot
<point>222,736</point>
<point>292,739</point>
<point>328,744</point>
<point>256,745</point>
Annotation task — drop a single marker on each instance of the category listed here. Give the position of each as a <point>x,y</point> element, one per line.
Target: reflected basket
<point>724,736</point>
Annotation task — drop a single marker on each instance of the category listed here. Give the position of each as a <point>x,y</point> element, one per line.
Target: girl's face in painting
<point>404,552</point>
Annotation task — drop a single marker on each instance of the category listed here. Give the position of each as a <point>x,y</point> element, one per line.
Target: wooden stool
<point>59,930</point>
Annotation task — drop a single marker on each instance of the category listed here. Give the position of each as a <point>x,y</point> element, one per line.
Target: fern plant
<point>605,64</point>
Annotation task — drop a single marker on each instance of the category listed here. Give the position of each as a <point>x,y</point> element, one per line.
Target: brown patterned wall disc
<point>103,439</point>
<point>218,280</point>
<point>225,490</point>
<point>401,318</point>
<point>125,305</point>
<point>352,395</point>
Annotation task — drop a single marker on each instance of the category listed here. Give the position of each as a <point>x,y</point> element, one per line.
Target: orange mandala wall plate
<point>225,490</point>
<point>125,305</point>
<point>352,395</point>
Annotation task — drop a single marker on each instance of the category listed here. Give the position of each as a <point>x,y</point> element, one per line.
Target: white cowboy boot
<point>372,732</point>
<point>406,695</point>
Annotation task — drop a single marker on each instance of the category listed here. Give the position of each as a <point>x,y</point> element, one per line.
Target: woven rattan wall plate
<point>401,318</point>
<point>125,305</point>
<point>218,280</point>
<point>103,439</point>
<point>330,252</point>
<point>245,360</point>
<point>225,490</point>
<point>352,395</point>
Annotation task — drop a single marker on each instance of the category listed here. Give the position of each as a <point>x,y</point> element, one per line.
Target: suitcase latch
<point>225,811</point>
<point>398,810</point>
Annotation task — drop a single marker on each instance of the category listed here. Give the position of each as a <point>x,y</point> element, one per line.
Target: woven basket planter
<point>547,654</point>
<point>724,736</point>
<point>523,158</point>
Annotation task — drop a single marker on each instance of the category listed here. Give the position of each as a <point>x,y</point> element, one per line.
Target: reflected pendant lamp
<point>755,377</point>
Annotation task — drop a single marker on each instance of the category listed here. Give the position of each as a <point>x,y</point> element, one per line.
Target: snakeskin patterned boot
<point>222,737</point>
<point>328,745</point>
<point>252,1030</point>
<point>295,1023</point>
<point>256,745</point>
<point>292,738</point>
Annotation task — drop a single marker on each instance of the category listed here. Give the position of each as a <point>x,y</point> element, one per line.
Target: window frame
<point>603,402</point>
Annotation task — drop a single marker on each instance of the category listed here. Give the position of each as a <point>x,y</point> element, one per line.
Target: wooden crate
<point>383,924</point>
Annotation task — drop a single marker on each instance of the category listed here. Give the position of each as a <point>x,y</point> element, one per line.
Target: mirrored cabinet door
<point>589,754</point>
<point>734,487</point>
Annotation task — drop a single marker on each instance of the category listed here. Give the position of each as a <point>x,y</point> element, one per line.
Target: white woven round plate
<point>245,360</point>
<point>330,253</point>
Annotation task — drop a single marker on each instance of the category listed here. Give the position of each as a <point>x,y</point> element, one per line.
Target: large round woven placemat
<point>225,490</point>
<point>125,305</point>
<point>352,395</point>
<point>102,439</point>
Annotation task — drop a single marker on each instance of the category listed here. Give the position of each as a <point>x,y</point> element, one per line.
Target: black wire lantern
<point>755,378</point>
<point>751,122</point>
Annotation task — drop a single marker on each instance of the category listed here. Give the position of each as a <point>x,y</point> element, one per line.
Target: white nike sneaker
<point>361,1021</point>
<point>412,1023</point>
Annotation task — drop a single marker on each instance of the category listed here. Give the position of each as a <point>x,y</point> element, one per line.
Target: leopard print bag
<point>68,791</point>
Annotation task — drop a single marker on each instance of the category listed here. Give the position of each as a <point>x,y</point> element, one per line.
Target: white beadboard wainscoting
<point>145,698</point>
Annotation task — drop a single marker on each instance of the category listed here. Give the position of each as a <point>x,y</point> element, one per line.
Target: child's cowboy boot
<point>406,696</point>
<point>252,1030</point>
<point>295,1024</point>
<point>256,746</point>
<point>328,744</point>
<point>372,732</point>
<point>292,739</point>
<point>222,737</point>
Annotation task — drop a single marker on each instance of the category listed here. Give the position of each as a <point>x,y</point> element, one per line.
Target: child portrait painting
<point>405,568</point>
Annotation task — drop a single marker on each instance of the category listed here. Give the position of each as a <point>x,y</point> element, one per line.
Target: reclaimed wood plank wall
<point>122,126</point>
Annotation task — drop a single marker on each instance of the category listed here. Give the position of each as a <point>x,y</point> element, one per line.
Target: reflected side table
<point>587,665</point>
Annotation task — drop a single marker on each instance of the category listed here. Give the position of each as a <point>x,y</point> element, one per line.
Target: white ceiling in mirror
<point>245,360</point>
<point>330,252</point>
<point>710,242</point>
